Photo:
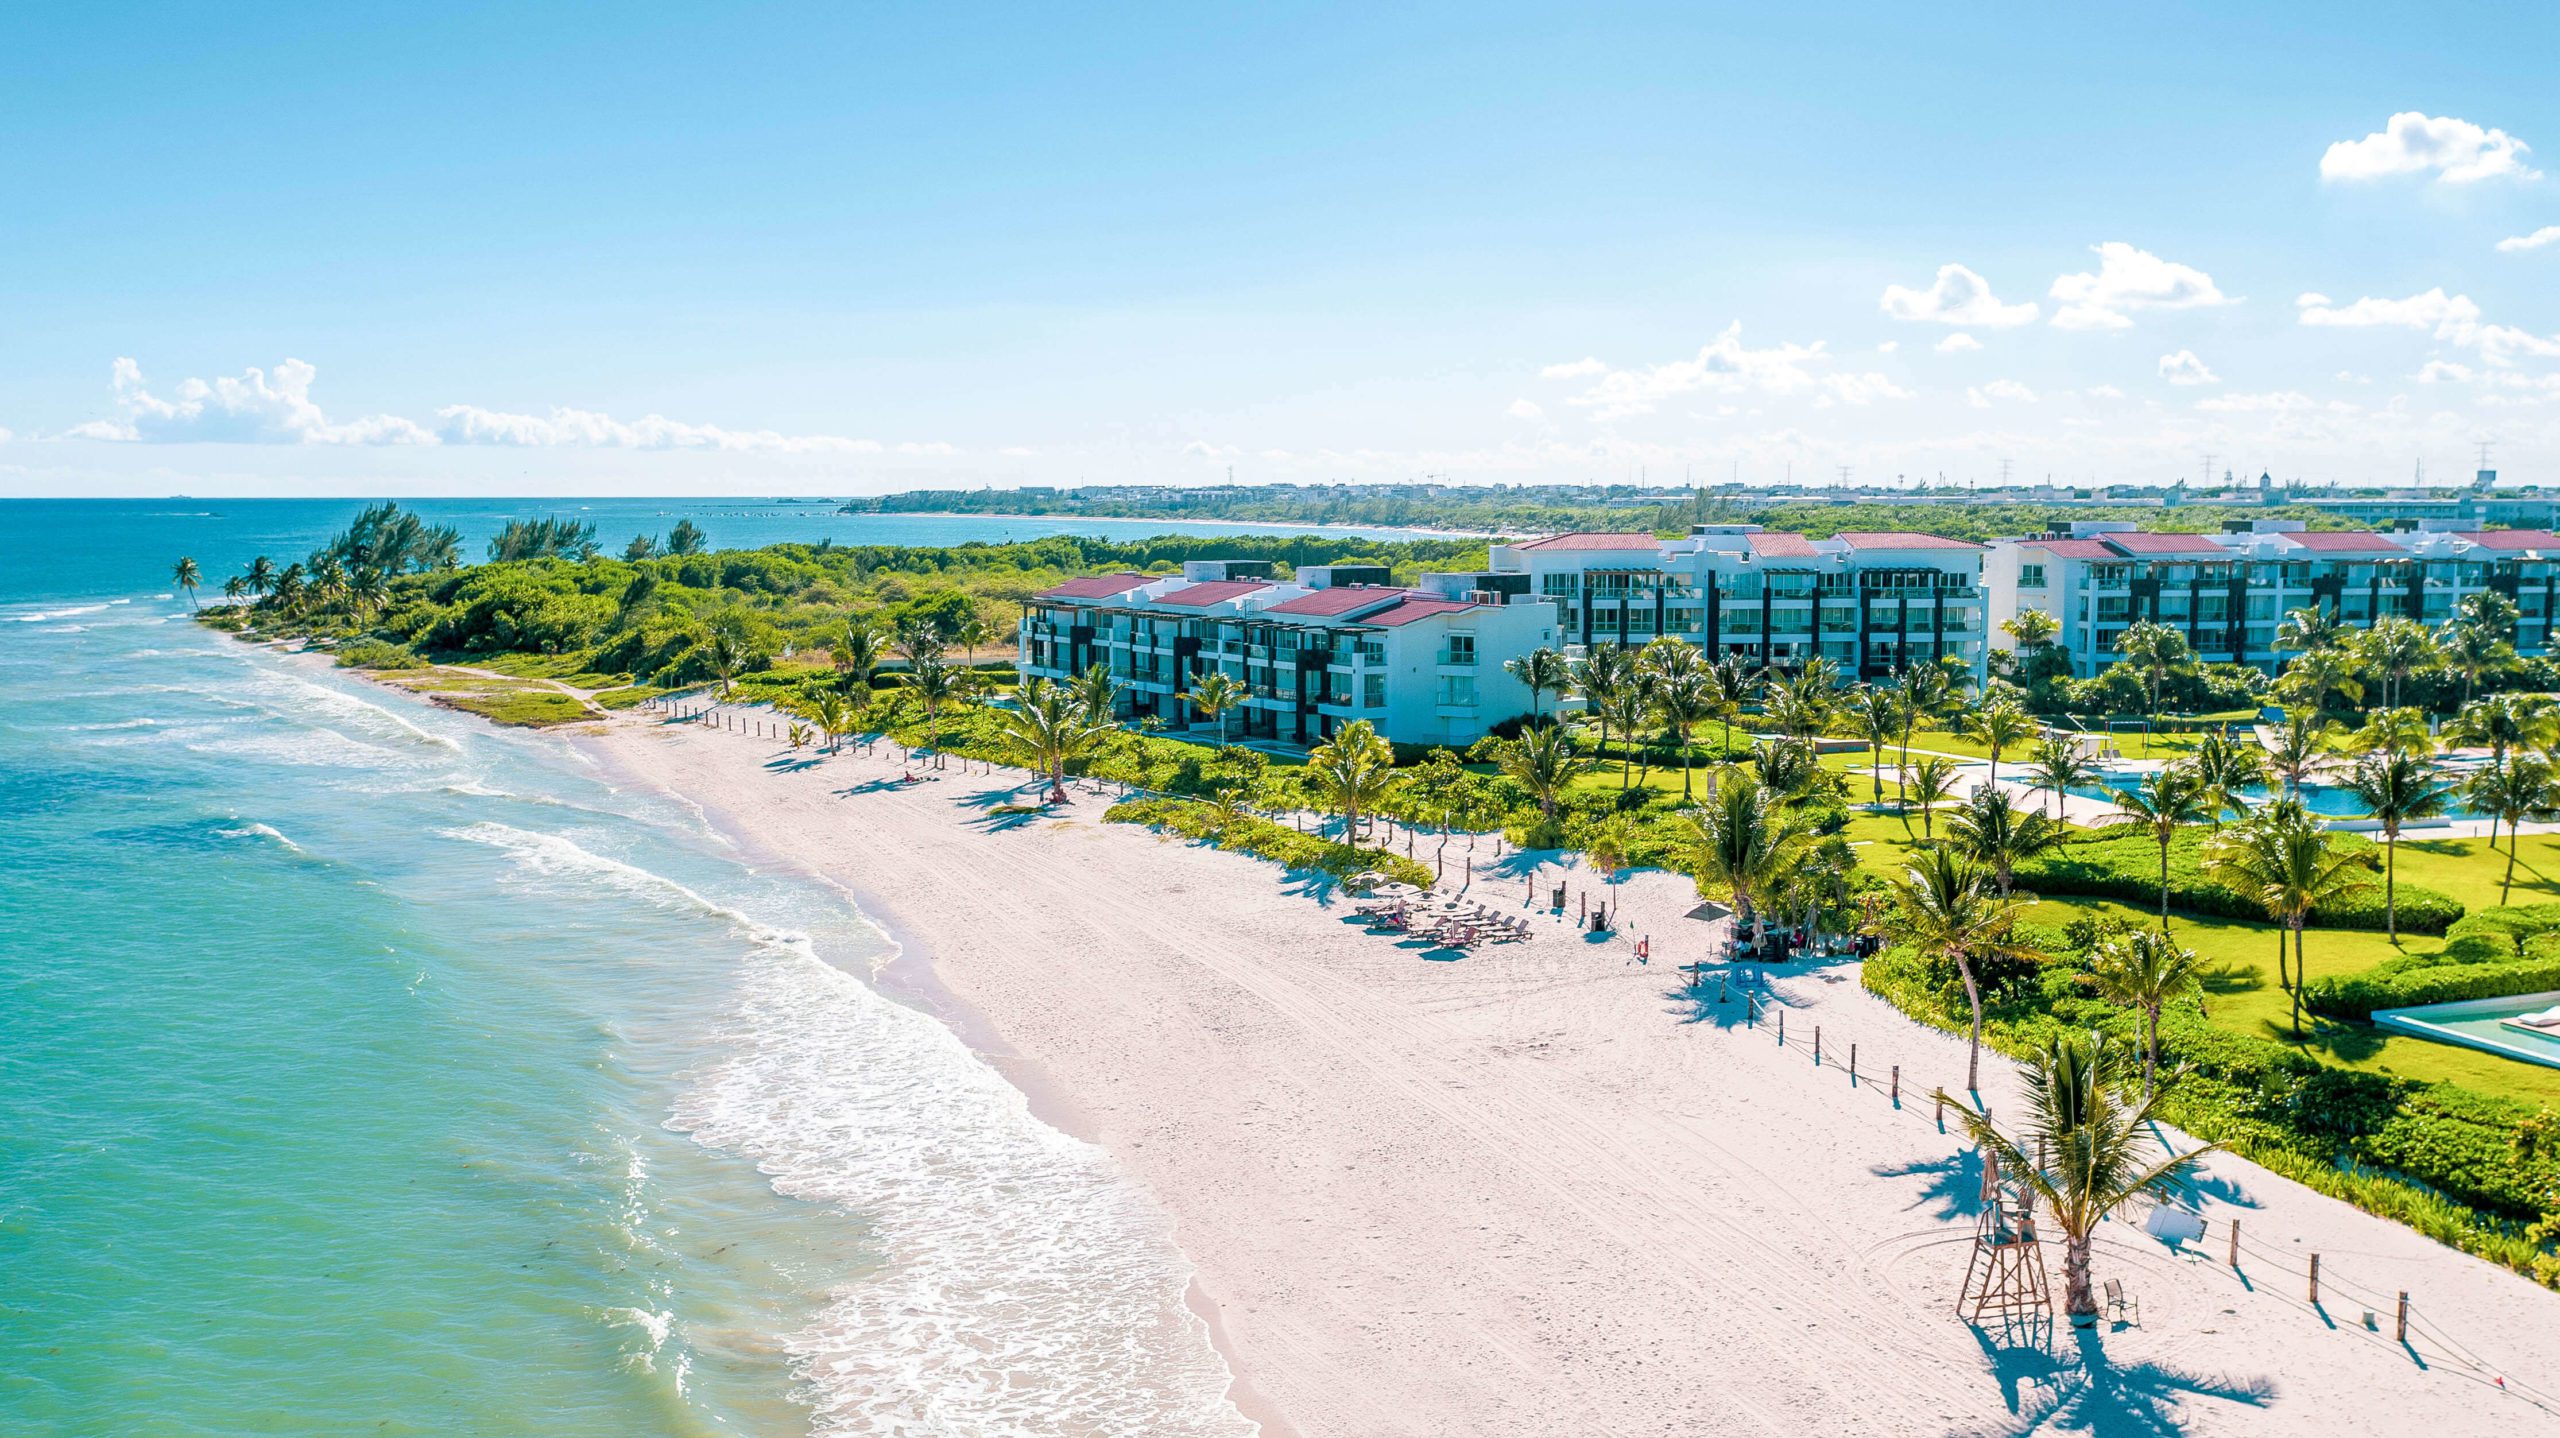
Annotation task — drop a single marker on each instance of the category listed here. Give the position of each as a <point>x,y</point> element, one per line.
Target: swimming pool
<point>2481,1024</point>
<point>2329,801</point>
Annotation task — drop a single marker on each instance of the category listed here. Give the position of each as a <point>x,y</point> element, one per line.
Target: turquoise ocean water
<point>365,1069</point>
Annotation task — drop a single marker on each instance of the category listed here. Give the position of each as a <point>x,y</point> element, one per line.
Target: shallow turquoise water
<point>364,1069</point>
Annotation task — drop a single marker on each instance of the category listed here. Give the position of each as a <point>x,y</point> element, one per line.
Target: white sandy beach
<point>1538,1189</point>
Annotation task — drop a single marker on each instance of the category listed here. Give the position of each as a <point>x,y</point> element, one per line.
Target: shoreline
<point>907,975</point>
<point>1424,531</point>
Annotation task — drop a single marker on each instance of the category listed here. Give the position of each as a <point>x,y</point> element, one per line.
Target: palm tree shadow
<point>2348,1043</point>
<point>2107,1399</point>
<point>789,764</point>
<point>2230,978</point>
<point>1954,1187</point>
<point>999,797</point>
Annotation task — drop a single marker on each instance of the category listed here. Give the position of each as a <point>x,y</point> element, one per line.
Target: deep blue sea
<point>365,1069</point>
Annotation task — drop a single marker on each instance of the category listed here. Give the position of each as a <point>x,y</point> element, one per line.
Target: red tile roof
<point>1100,586</point>
<point>1340,599</point>
<point>1782,546</point>
<point>1417,607</point>
<point>2143,542</point>
<point>2346,541</point>
<point>2073,548</point>
<point>1216,591</point>
<point>2514,538</point>
<point>1898,539</point>
<point>1591,541</point>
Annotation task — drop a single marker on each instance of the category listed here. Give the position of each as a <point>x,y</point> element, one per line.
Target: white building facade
<point>2227,592</point>
<point>1314,652</point>
<point>1871,603</point>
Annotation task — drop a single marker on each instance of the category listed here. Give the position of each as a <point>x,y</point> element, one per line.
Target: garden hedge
<point>1266,840</point>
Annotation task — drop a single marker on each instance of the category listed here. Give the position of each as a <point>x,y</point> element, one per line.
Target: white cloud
<point>1957,297</point>
<point>2452,318</point>
<point>2548,234</point>
<point>275,407</point>
<point>2348,376</point>
<point>1999,389</point>
<point>2103,391</point>
<point>2184,368</point>
<point>1888,347</point>
<point>1727,366</point>
<point>255,407</point>
<point>2410,143</point>
<point>1525,409</point>
<point>2129,279</point>
<point>2443,372</point>
<point>1958,343</point>
<point>1574,369</point>
<point>1018,451</point>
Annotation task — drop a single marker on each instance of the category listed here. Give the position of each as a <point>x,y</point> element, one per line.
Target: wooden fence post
<point>1782,1028</point>
<point>1853,1063</point>
<point>1817,1045</point>
<point>1941,1114</point>
<point>2400,1330</point>
<point>2235,1243</point>
<point>1897,1085</point>
<point>2315,1280</point>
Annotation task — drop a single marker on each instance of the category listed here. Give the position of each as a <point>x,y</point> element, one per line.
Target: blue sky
<point>834,249</point>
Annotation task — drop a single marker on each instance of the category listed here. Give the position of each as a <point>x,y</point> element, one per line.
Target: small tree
<point>2397,787</point>
<point>1945,906</point>
<point>1353,770</point>
<point>2145,970</point>
<point>1213,694</point>
<point>2168,799</point>
<point>2001,725</point>
<point>1927,783</point>
<point>1543,671</point>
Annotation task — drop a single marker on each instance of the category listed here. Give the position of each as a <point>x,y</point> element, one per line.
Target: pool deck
<point>2435,1021</point>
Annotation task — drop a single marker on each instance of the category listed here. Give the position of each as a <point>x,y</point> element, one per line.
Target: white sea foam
<point>301,694</point>
<point>41,616</point>
<point>260,831</point>
<point>1025,1289</point>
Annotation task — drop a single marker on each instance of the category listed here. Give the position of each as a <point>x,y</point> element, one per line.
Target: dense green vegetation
<point>2127,866</point>
<point>1547,508</point>
<point>1266,840</point>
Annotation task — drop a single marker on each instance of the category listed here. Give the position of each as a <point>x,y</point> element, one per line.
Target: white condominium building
<point>2227,592</point>
<point>1314,652</point>
<point>1871,603</point>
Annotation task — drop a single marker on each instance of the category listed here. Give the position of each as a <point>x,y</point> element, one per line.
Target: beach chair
<point>2119,1305</point>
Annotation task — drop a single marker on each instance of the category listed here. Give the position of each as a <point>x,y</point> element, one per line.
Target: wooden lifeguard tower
<point>2004,1280</point>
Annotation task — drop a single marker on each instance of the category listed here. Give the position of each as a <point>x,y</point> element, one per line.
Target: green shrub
<point>2356,996</point>
<point>1266,840</point>
<point>374,654</point>
<point>2127,867</point>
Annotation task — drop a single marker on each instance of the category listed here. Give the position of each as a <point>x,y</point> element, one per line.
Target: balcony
<point>1458,658</point>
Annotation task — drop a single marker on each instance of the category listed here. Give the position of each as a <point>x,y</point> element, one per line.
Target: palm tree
<point>234,587</point>
<point>2098,1143</point>
<point>1542,761</point>
<point>1353,770</point>
<point>2474,651</point>
<point>858,655</point>
<point>686,538</point>
<point>1742,841</point>
<point>1946,907</point>
<point>2503,722</point>
<point>2490,612</point>
<point>1921,690</point>
<point>1213,694</point>
<point>2393,731</point>
<point>1683,698</point>
<point>1999,724</point>
<point>2169,799</point>
<point>2300,745</point>
<point>2523,787</point>
<point>2060,766</point>
<point>1733,684</point>
<point>261,576</point>
<point>1991,829</point>
<point>1543,671</point>
<point>186,576</point>
<point>2224,767</point>
<point>1803,706</point>
<point>2145,971</point>
<point>289,588</point>
<point>915,638</point>
<point>1790,769</point>
<point>1928,782</point>
<point>2397,787</point>
<point>1049,724</point>
<point>2302,631</point>
<point>834,716</point>
<point>1876,711</point>
<point>2033,629</point>
<point>2155,649</point>
<point>2315,675</point>
<point>726,652</point>
<point>936,682</point>
<point>2285,861</point>
<point>1627,705</point>
<point>2396,647</point>
<point>1098,692</point>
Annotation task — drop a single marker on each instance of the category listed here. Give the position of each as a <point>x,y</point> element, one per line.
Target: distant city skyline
<point>831,251</point>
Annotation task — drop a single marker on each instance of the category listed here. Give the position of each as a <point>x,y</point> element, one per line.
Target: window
<point>1462,650</point>
<point>1373,691</point>
<point>2031,576</point>
<point>1458,690</point>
